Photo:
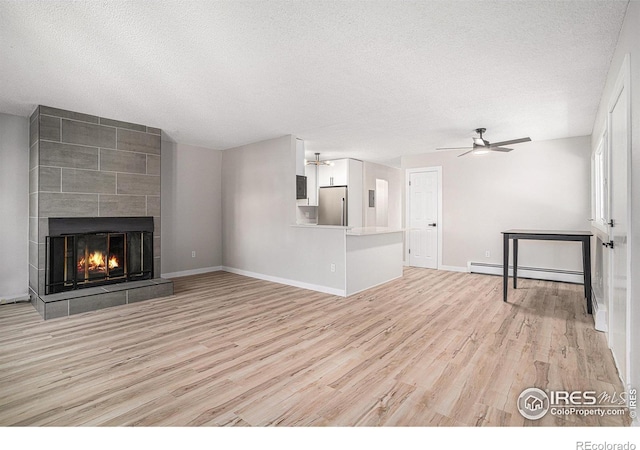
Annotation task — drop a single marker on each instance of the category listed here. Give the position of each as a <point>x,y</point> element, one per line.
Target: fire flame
<point>96,262</point>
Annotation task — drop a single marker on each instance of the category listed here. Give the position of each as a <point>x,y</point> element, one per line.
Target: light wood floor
<point>434,348</point>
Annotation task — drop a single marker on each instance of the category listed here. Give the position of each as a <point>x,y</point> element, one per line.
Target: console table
<point>575,236</point>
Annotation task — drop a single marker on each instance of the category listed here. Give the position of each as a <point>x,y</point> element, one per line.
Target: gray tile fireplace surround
<point>82,165</point>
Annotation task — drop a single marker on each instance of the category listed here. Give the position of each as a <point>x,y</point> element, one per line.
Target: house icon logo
<point>533,403</point>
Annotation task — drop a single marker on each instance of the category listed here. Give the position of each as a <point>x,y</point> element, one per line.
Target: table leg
<point>586,267</point>
<point>515,263</point>
<point>505,265</point>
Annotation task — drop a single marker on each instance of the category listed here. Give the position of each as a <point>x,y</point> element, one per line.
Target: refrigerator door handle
<point>343,218</point>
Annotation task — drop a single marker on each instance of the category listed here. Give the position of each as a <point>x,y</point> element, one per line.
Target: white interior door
<point>423,219</point>
<point>618,233</point>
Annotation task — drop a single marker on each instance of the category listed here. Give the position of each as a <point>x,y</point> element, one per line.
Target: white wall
<point>539,185</point>
<point>191,194</point>
<point>259,209</point>
<point>14,207</point>
<point>395,177</point>
<point>629,43</point>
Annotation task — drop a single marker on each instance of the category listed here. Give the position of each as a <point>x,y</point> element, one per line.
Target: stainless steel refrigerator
<point>332,206</point>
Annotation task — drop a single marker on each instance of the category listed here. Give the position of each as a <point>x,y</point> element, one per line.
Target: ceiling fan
<point>317,161</point>
<point>481,145</point>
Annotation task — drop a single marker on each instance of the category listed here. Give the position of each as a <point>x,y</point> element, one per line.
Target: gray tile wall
<point>67,155</point>
<point>88,166</point>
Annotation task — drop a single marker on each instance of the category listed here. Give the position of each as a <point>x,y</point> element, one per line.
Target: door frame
<point>623,83</point>
<point>407,197</point>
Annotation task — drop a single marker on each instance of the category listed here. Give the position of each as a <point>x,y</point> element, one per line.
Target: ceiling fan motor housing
<point>480,142</point>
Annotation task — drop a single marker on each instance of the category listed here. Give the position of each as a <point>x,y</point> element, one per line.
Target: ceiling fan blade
<point>465,153</point>
<point>500,149</point>
<point>454,148</point>
<point>512,141</point>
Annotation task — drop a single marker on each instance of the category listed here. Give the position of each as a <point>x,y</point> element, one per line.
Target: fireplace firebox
<point>84,252</point>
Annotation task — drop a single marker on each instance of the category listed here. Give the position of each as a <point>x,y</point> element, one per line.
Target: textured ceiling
<point>372,80</point>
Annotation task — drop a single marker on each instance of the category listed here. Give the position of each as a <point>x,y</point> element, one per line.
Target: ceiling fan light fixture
<point>317,161</point>
<point>480,152</point>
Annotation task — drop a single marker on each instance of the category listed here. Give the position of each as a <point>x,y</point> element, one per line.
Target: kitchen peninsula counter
<point>352,231</point>
<point>321,227</point>
<point>372,255</point>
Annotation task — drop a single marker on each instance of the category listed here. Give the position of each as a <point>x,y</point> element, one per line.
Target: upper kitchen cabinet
<point>336,174</point>
<point>312,186</point>
<point>310,172</point>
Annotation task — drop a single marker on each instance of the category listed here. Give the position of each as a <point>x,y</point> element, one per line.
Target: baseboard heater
<point>536,273</point>
<point>14,299</point>
<point>600,314</point>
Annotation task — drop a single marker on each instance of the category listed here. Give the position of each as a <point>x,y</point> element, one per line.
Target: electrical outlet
<point>487,254</point>
<point>333,267</point>
<point>193,254</point>
<point>306,214</point>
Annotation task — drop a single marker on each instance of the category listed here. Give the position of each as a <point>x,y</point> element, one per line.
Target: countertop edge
<point>324,227</point>
<point>365,232</point>
<point>351,231</point>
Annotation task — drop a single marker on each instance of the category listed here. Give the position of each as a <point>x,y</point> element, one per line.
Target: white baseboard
<point>13,298</point>
<point>294,283</point>
<point>186,273</point>
<point>535,273</point>
<point>454,268</point>
<point>447,268</point>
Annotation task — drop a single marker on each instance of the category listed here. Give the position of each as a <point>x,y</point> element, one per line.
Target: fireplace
<point>94,213</point>
<point>87,252</point>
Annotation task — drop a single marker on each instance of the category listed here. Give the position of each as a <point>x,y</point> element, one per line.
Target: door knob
<point>432,224</point>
